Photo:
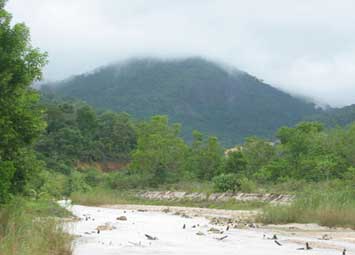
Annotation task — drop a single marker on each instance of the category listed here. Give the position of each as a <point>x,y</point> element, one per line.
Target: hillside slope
<point>336,116</point>
<point>195,92</point>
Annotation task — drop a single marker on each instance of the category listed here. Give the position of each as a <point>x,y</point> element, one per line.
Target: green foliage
<point>160,151</point>
<point>227,182</point>
<point>52,184</point>
<point>203,158</point>
<point>235,163</point>
<point>257,153</point>
<point>128,180</point>
<point>331,204</point>
<point>198,93</point>
<point>7,171</point>
<point>20,115</point>
<point>77,133</point>
<point>335,116</point>
<point>77,183</point>
<point>93,177</point>
<point>21,232</point>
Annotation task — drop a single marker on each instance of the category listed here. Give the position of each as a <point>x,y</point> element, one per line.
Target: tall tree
<point>160,150</point>
<point>20,117</point>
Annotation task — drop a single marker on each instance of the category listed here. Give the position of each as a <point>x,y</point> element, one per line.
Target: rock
<point>252,225</point>
<point>200,233</point>
<point>184,215</point>
<point>215,231</point>
<point>106,227</point>
<point>326,237</point>
<point>166,210</point>
<point>122,218</point>
<point>196,196</point>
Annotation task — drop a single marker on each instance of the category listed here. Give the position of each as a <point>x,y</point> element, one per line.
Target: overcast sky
<point>303,46</point>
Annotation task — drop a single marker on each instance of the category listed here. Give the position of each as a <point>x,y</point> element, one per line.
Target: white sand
<point>128,237</point>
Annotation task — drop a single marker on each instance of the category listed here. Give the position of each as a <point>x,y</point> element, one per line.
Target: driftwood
<point>306,248</point>
<point>149,237</point>
<point>221,238</point>
<point>278,243</point>
<point>137,244</point>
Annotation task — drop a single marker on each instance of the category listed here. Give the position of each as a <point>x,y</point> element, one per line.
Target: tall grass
<point>327,204</point>
<point>22,232</point>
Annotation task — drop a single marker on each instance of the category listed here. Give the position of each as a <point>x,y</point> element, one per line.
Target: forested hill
<point>195,92</point>
<point>336,116</point>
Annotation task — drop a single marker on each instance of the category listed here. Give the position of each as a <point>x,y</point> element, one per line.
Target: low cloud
<point>306,47</point>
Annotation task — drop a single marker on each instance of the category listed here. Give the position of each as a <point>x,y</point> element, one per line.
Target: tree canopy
<point>20,116</point>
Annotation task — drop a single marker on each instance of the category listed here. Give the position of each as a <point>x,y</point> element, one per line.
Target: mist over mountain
<point>195,92</point>
<point>332,117</point>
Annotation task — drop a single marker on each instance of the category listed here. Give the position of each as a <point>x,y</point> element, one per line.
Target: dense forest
<point>153,152</point>
<point>195,92</point>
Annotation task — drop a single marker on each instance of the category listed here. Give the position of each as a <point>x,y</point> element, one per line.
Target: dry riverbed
<point>122,229</point>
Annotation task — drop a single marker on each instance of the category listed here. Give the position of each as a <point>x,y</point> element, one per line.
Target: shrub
<point>77,183</point>
<point>7,171</point>
<point>226,182</point>
<point>247,185</point>
<point>93,177</point>
<point>126,180</point>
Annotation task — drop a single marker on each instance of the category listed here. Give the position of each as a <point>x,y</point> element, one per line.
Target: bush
<point>7,171</point>
<point>125,180</point>
<point>247,185</point>
<point>93,177</point>
<point>77,183</point>
<point>226,182</point>
<point>54,184</point>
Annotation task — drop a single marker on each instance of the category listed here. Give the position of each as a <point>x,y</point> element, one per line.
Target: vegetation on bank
<point>307,155</point>
<point>331,204</point>
<point>31,228</point>
<point>25,227</point>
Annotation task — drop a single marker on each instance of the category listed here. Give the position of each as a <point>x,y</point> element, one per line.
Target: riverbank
<point>33,227</point>
<point>177,230</point>
<point>329,204</point>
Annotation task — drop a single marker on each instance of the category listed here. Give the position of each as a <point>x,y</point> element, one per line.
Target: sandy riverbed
<point>128,237</point>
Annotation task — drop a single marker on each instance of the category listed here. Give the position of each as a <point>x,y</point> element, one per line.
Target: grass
<point>98,197</point>
<point>326,204</point>
<point>27,229</point>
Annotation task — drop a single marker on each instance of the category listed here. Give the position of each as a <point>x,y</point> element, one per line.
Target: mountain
<point>200,94</point>
<point>336,116</point>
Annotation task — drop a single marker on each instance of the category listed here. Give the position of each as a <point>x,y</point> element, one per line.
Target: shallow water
<point>128,237</point>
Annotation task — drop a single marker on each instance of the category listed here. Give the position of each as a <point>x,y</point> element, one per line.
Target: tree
<point>204,157</point>
<point>257,153</point>
<point>297,144</point>
<point>160,151</point>
<point>20,116</point>
<point>235,163</point>
<point>116,136</point>
<point>86,120</point>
